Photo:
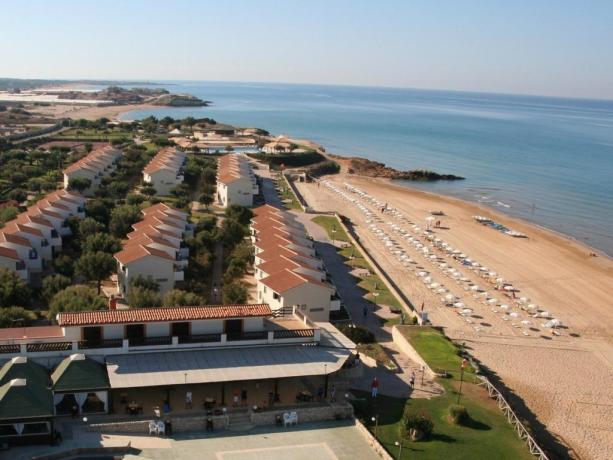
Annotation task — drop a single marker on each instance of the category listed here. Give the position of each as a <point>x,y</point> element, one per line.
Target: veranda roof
<point>223,365</point>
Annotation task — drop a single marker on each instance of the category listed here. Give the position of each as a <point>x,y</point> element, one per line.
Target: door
<point>135,333</point>
<point>92,335</point>
<point>179,329</point>
<point>233,328</point>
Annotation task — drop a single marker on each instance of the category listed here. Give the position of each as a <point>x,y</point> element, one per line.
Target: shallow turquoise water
<point>543,159</point>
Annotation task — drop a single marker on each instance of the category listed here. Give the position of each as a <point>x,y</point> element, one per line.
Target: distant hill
<point>31,83</point>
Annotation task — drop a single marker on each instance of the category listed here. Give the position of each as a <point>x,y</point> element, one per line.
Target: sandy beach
<point>112,112</point>
<point>565,380</point>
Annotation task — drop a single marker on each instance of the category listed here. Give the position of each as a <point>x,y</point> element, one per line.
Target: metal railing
<point>200,338</point>
<point>512,418</point>
<point>294,333</point>
<point>254,335</point>
<point>92,344</point>
<point>48,346</point>
<point>148,341</point>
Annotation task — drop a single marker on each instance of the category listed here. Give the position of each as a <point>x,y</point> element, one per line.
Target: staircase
<point>239,420</point>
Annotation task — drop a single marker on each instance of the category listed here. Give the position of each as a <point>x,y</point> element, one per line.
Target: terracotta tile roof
<point>282,262</point>
<point>15,239</point>
<point>94,160</point>
<point>275,251</point>
<point>286,279</point>
<point>133,252</point>
<point>167,158</point>
<point>14,227</point>
<point>9,253</point>
<point>146,315</point>
<point>147,238</point>
<point>165,209</point>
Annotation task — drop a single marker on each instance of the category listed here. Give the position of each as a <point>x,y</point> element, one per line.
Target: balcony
<point>96,344</point>
<point>200,338</point>
<point>254,335</point>
<point>150,341</point>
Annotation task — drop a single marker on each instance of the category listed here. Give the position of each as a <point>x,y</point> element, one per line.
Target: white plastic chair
<point>153,428</point>
<point>161,428</point>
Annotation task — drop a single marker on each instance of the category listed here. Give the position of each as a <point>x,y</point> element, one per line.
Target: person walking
<point>188,400</point>
<point>412,381</point>
<point>374,387</point>
<point>333,394</point>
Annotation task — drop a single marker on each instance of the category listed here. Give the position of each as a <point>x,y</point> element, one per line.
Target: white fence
<point>521,430</point>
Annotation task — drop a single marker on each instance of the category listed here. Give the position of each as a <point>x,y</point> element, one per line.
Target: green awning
<point>23,368</point>
<point>77,373</point>
<point>21,400</point>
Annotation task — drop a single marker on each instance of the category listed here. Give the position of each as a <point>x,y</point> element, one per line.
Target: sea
<point>546,160</point>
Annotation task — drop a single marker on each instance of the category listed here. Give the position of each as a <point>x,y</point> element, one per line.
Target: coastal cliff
<point>370,168</point>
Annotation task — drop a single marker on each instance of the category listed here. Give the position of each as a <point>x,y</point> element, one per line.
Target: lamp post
<point>333,233</point>
<point>399,444</point>
<point>462,366</point>
<point>375,420</point>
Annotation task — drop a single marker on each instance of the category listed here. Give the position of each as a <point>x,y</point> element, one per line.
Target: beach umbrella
<point>434,285</point>
<point>428,279</point>
<point>513,314</point>
<point>523,300</point>
<point>467,311</point>
<point>474,288</point>
<point>525,322</point>
<point>449,297</point>
<point>442,290</point>
<point>504,306</point>
<point>492,301</point>
<point>509,288</point>
<point>458,305</point>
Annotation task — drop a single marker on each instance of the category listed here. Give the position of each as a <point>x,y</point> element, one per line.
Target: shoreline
<point>483,207</point>
<point>500,215</point>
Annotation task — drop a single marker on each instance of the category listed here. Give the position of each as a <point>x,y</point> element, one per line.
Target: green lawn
<point>333,229</point>
<point>95,134</point>
<point>486,435</point>
<point>287,195</point>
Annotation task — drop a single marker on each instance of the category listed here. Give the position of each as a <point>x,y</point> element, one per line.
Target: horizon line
<point>149,81</point>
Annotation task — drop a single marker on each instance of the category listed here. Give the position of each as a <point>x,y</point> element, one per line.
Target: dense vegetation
<point>289,160</point>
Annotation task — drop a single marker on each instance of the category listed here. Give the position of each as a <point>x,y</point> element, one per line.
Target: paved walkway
<point>323,441</point>
<point>391,383</point>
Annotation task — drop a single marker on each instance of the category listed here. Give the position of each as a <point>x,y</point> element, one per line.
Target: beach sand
<point>567,381</point>
<point>112,112</point>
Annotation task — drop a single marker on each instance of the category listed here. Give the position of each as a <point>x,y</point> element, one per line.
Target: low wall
<point>404,302</point>
<point>306,414</point>
<point>403,345</point>
<point>179,425</point>
<point>374,443</point>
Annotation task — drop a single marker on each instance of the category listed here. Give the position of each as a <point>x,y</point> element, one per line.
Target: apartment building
<point>287,270</point>
<point>166,170</point>
<point>35,236</point>
<point>155,248</point>
<point>93,167</point>
<point>236,183</point>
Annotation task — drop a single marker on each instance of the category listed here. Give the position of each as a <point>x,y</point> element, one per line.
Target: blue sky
<point>548,47</point>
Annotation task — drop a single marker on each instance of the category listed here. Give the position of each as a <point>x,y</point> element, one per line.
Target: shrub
<point>13,291</point>
<point>358,334</point>
<point>323,168</point>
<point>417,425</point>
<point>16,317</point>
<point>458,414</point>
<point>234,293</point>
<point>139,297</point>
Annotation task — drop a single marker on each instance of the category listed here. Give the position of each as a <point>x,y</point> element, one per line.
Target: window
<point>179,329</point>
<point>264,289</point>
<point>276,296</point>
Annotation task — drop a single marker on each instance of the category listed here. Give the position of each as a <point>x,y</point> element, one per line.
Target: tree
<point>139,297</point>
<point>134,199</point>
<point>75,298</point>
<point>8,213</point>
<point>234,293</point>
<point>206,199</point>
<point>18,195</point>
<point>209,175</point>
<point>148,190</point>
<point>79,184</point>
<point>179,298</point>
<point>13,291</point>
<point>16,317</point>
<point>54,284</point>
<point>89,226</point>
<point>232,232</point>
<point>64,265</point>
<point>96,266</point>
<point>145,283</point>
<point>101,242</point>
<point>122,219</point>
<point>417,425</point>
<point>239,213</point>
<point>243,253</point>
<point>99,209</point>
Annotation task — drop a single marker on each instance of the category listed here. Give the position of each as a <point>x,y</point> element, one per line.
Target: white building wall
<point>207,327</point>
